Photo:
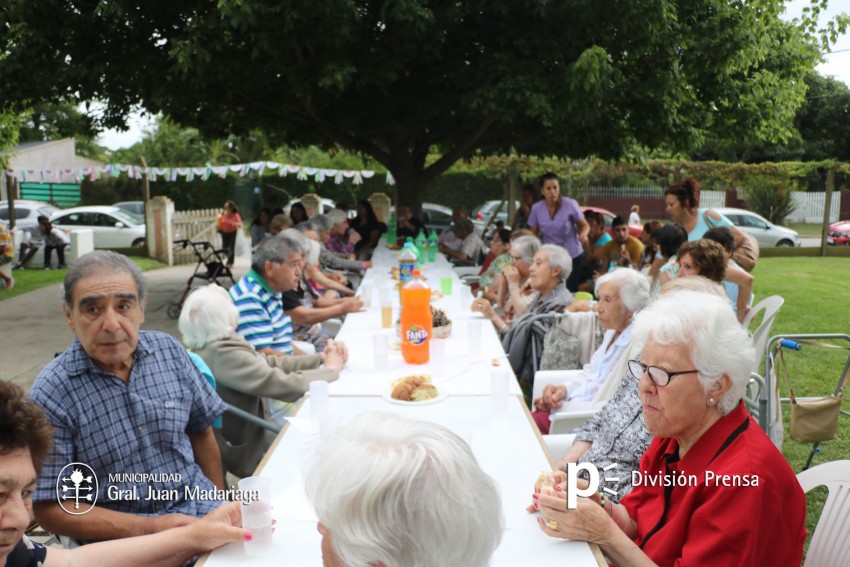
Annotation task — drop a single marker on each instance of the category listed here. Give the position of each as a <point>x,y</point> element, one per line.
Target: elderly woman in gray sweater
<point>243,376</point>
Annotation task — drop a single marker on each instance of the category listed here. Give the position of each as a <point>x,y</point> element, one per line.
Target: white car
<point>768,234</point>
<point>26,212</point>
<point>112,227</point>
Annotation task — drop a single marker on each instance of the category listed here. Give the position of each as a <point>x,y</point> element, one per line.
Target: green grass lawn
<point>29,280</point>
<point>817,300</point>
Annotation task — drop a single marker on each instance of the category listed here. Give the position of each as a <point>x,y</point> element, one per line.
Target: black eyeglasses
<point>515,259</point>
<point>659,376</point>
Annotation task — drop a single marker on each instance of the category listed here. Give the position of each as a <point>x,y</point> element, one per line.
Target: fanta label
<point>405,271</point>
<point>416,335</point>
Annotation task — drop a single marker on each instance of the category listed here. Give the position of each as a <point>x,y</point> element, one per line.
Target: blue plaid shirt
<point>139,427</point>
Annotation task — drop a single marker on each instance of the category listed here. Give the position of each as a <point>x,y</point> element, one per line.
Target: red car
<point>635,231</point>
<point>839,233</point>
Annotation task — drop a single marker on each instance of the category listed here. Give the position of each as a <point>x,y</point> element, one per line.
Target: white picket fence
<point>809,207</point>
<point>198,225</point>
<point>707,198</point>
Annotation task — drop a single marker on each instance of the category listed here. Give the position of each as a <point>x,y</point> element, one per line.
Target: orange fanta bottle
<point>415,320</point>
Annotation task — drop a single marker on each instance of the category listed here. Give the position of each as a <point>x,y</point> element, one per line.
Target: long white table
<point>460,373</point>
<point>504,444</point>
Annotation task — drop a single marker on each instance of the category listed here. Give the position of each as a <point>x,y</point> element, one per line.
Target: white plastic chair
<point>830,543</point>
<point>770,306</point>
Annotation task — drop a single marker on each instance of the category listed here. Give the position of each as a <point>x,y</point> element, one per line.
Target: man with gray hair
<point>128,405</point>
<point>275,267</point>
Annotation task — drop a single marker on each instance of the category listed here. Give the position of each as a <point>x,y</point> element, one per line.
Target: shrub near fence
<point>196,226</point>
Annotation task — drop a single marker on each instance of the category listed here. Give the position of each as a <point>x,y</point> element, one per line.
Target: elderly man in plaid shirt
<point>130,405</point>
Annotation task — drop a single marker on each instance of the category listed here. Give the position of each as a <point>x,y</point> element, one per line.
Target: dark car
<point>839,233</point>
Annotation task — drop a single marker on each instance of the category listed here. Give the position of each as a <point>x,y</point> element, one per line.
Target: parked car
<point>768,234</point>
<point>26,212</point>
<point>112,227</point>
<point>839,233</point>
<point>135,207</point>
<point>436,217</point>
<point>635,231</point>
<point>482,214</point>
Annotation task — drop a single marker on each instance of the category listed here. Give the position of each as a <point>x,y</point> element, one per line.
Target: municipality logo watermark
<point>573,490</point>
<point>76,488</point>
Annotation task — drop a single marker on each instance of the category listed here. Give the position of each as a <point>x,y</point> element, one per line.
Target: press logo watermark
<point>573,490</point>
<point>76,488</point>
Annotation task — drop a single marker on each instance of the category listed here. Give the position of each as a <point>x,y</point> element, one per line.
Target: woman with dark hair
<point>528,198</point>
<point>668,239</point>
<point>650,247</point>
<point>229,222</point>
<point>367,225</point>
<point>298,213</point>
<point>559,220</point>
<point>682,203</point>
<point>261,226</point>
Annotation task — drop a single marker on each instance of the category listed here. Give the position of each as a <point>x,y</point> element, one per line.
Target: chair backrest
<point>830,543</point>
<point>770,306</point>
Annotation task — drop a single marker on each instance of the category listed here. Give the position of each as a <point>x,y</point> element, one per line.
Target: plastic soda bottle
<point>416,320</point>
<point>406,263</point>
<point>433,242</point>
<point>392,231</point>
<point>421,246</point>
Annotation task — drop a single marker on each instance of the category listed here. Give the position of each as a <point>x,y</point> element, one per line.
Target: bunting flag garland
<point>258,168</point>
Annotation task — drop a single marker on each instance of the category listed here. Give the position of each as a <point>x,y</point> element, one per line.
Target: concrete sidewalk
<point>34,326</point>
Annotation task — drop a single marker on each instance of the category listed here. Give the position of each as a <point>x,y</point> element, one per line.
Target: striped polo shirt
<point>261,318</point>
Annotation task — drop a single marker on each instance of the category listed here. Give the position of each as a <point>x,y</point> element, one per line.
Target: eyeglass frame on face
<point>645,369</point>
<point>515,259</point>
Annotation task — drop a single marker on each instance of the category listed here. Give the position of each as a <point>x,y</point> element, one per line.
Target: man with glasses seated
<point>275,268</point>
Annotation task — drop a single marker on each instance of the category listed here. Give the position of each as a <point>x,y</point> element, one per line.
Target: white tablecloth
<point>504,445</point>
<point>460,373</point>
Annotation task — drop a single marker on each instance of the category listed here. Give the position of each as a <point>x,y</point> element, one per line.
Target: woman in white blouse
<point>621,293</point>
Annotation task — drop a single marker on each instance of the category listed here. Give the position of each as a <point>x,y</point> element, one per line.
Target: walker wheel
<point>174,310</point>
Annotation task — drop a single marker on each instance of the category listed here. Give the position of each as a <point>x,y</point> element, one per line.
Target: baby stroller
<point>211,267</point>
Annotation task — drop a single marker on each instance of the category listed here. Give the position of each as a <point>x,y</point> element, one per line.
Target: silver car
<point>768,234</point>
<point>111,227</point>
<point>26,212</point>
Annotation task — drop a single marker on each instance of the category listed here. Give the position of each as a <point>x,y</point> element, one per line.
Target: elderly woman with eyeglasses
<point>547,272</point>
<point>514,288</point>
<point>712,486</point>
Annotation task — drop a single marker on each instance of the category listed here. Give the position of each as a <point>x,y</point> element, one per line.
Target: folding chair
<point>830,543</point>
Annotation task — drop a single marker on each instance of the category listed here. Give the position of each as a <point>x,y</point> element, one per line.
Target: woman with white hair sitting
<point>391,492</point>
<point>622,293</point>
<point>712,489</point>
<point>244,376</point>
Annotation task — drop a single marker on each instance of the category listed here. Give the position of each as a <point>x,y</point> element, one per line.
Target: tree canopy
<point>398,79</point>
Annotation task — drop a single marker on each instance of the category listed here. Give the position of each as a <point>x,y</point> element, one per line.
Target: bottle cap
<point>416,272</point>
